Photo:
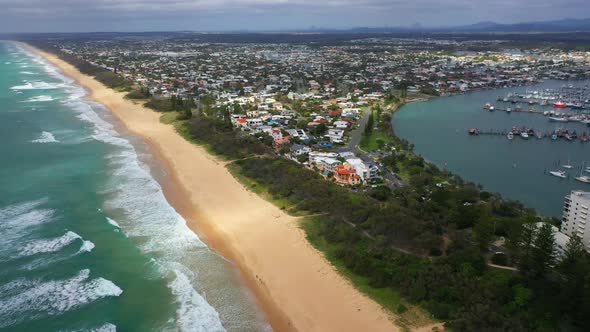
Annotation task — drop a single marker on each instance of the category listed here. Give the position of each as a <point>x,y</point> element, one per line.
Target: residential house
<point>298,149</point>
<point>367,171</point>
<point>298,133</point>
<point>341,124</point>
<point>346,174</point>
<point>255,122</point>
<point>336,135</point>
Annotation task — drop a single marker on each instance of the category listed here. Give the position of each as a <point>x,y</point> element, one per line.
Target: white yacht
<point>556,119</point>
<point>559,174</point>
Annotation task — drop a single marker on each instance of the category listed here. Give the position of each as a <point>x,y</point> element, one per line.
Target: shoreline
<point>291,280</point>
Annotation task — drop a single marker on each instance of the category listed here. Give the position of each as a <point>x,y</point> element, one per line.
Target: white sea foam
<point>43,260</point>
<point>16,224</point>
<point>39,99</point>
<point>19,208</point>
<point>46,137</point>
<point>87,246</point>
<point>193,314</point>
<point>51,245</point>
<point>11,222</point>
<point>108,327</point>
<point>112,222</point>
<point>26,73</point>
<point>37,85</point>
<point>36,299</point>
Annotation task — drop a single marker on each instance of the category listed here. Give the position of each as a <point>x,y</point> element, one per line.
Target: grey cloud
<point>90,15</point>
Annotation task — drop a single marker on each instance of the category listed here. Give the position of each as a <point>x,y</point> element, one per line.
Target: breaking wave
<point>46,137</point>
<point>39,99</point>
<point>37,85</point>
<point>34,299</point>
<point>53,245</point>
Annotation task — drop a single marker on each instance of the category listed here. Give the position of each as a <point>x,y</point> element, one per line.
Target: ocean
<point>517,169</point>
<point>88,241</point>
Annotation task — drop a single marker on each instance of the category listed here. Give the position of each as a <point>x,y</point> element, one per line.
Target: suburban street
<point>389,177</point>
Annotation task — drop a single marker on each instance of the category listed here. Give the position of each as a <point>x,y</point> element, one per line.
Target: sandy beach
<point>297,287</point>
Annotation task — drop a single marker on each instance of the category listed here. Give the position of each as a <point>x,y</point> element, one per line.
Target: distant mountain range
<point>564,25</point>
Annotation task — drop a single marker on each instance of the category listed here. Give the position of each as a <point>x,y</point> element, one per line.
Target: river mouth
<point>518,169</point>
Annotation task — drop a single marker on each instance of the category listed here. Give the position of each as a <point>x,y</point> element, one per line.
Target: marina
<point>567,96</point>
<point>524,132</point>
<point>510,153</point>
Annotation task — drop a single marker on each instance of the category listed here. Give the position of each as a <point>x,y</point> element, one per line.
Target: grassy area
<point>169,117</point>
<point>260,190</point>
<point>181,126</point>
<point>371,142</point>
<point>408,315</point>
<point>378,137</point>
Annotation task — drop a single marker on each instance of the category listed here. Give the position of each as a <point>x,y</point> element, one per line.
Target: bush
<point>160,105</point>
<point>500,259</point>
<point>138,94</point>
<point>401,309</point>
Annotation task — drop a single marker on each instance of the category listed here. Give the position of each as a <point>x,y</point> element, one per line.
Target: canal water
<point>517,169</point>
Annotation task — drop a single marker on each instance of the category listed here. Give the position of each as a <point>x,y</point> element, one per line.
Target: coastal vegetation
<point>107,77</point>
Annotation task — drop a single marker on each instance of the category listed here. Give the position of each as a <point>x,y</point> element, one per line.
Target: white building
<point>298,133</point>
<point>560,239</point>
<point>575,216</point>
<point>366,171</point>
<point>315,156</point>
<point>253,123</point>
<point>336,135</point>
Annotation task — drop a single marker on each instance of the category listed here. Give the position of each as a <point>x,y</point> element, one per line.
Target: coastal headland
<point>296,286</point>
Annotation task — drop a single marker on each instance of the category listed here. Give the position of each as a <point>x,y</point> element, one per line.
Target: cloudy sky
<point>218,15</point>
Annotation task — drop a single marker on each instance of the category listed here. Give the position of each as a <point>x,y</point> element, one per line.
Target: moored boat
<point>559,174</point>
<point>558,119</point>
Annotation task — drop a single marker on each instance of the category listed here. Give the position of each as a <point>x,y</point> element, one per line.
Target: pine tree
<point>173,102</point>
<point>524,245</point>
<point>543,252</point>
<point>574,250</point>
<point>369,127</point>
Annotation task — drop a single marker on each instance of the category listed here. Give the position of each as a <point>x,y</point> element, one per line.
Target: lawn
<point>370,142</point>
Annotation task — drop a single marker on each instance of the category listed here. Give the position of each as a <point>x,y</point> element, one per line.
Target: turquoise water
<point>88,241</point>
<point>517,169</point>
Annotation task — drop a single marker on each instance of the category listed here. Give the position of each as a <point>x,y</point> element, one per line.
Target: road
<point>390,179</point>
<point>357,134</point>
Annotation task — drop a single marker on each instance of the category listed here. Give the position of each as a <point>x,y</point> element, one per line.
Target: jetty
<point>530,133</point>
